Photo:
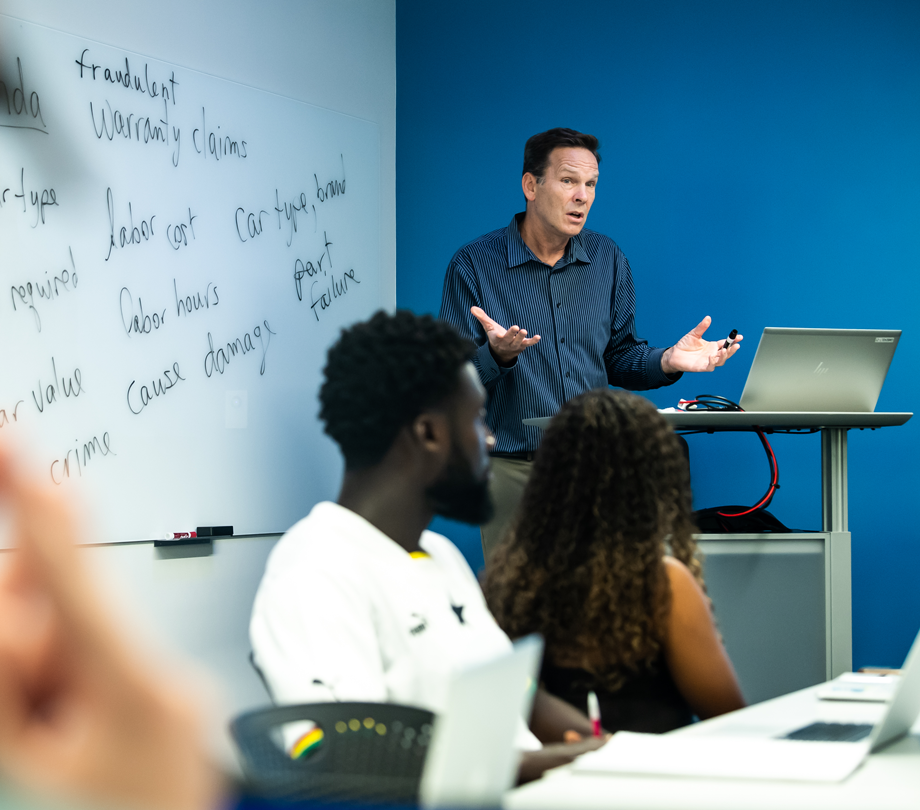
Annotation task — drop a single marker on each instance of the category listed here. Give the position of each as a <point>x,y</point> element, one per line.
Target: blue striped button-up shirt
<point>583,309</point>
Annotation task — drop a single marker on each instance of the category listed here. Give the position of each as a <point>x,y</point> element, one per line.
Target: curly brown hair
<point>583,562</point>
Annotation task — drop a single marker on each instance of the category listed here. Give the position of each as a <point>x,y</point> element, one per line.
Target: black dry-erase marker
<point>731,336</point>
<point>215,531</point>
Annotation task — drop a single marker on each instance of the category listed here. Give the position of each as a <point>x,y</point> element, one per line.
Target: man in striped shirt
<point>571,291</point>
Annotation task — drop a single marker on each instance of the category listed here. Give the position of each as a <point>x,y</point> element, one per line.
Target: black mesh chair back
<point>363,752</point>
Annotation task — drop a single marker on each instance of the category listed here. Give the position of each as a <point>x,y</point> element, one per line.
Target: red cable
<point>774,481</point>
<point>771,456</point>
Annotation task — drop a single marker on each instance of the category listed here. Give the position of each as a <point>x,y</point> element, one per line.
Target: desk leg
<point>834,480</point>
<point>838,604</point>
<point>837,579</point>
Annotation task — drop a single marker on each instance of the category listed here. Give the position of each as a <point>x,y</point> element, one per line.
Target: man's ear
<point>431,431</point>
<point>529,186</point>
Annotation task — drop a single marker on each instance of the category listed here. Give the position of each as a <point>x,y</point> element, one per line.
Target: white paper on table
<point>860,686</point>
<point>726,756</point>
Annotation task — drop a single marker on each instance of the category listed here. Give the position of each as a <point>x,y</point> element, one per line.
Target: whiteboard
<point>177,252</point>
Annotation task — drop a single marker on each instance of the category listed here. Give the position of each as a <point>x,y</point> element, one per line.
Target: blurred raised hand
<point>83,713</point>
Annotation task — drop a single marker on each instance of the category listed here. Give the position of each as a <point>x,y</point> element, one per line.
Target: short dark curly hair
<point>381,374</point>
<point>540,146</point>
<point>583,563</point>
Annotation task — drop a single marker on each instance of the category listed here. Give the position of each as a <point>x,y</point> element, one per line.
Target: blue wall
<point>761,164</point>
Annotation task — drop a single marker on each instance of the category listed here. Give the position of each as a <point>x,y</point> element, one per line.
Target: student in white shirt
<point>359,601</point>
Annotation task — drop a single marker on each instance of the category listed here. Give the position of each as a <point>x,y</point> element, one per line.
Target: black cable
<point>709,402</point>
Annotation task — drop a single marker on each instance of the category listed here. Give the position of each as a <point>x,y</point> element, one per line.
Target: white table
<point>889,780</point>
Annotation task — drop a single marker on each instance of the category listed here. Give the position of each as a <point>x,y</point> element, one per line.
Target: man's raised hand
<point>692,353</point>
<point>505,344</point>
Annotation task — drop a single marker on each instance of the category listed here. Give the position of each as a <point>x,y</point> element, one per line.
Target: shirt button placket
<point>559,326</point>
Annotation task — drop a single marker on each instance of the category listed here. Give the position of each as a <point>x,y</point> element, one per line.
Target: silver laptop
<point>900,715</point>
<point>473,758</point>
<point>826,370</point>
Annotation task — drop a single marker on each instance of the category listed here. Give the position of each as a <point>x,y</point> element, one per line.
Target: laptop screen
<point>473,759</point>
<point>825,370</point>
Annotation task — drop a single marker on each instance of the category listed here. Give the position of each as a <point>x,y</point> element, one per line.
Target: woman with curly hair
<point>602,562</point>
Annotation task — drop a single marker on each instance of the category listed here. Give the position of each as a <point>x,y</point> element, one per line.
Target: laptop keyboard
<point>831,732</point>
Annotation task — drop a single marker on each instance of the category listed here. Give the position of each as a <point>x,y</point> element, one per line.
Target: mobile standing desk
<point>834,522</point>
<point>783,601</point>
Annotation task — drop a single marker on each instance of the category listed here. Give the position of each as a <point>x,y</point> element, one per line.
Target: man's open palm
<point>692,353</point>
<point>506,344</point>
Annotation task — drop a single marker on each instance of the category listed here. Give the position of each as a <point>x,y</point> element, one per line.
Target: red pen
<point>594,713</point>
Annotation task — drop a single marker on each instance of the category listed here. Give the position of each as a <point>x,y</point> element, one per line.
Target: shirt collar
<point>341,521</point>
<point>519,253</point>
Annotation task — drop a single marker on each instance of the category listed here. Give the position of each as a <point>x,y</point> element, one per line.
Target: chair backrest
<point>356,752</point>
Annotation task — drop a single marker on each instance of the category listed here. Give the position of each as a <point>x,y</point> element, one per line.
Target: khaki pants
<point>509,477</point>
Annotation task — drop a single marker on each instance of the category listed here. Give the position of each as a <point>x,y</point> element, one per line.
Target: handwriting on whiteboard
<point>168,237</point>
